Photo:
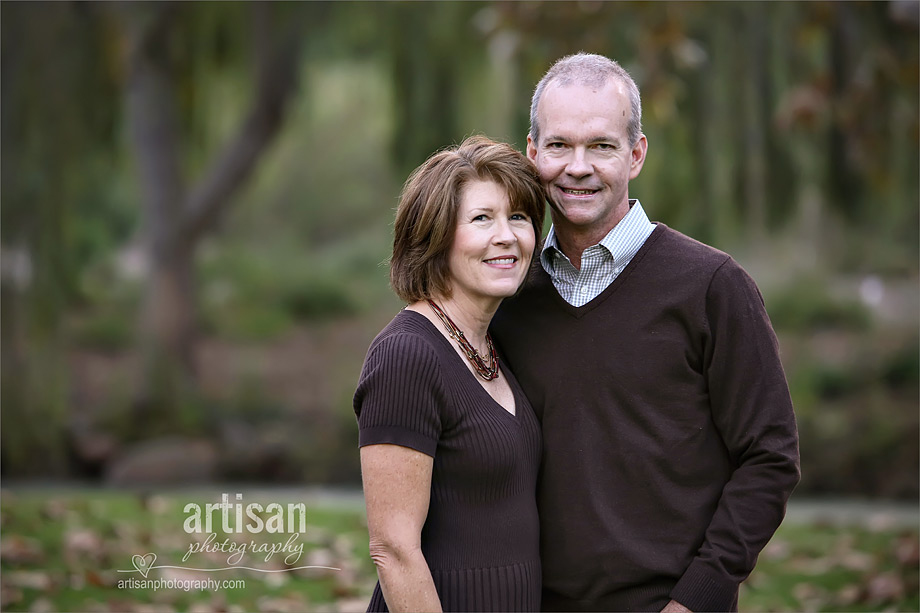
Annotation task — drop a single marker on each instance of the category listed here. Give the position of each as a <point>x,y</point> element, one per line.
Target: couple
<point>634,445</point>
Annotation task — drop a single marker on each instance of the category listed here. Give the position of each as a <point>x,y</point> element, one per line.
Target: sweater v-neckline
<point>580,311</point>
<point>462,364</point>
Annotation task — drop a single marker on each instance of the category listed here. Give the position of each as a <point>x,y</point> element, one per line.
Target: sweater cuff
<point>702,589</point>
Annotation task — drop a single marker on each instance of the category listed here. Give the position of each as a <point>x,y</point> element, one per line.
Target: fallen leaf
<point>158,505</point>
<point>82,542</point>
<point>9,596</point>
<point>16,549</point>
<point>856,560</point>
<point>907,550</point>
<point>42,605</point>
<point>281,605</point>
<point>777,550</point>
<point>848,596</point>
<point>320,557</point>
<point>34,579</point>
<point>351,605</point>
<point>275,580</point>
<point>55,509</point>
<point>884,588</point>
<point>809,596</point>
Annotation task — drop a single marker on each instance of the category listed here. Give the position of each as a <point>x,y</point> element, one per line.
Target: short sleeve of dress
<point>399,395</point>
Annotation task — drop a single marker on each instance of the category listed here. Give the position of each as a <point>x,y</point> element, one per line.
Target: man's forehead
<point>568,86</point>
<point>589,109</point>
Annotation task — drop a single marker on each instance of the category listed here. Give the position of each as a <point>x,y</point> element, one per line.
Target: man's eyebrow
<point>600,138</point>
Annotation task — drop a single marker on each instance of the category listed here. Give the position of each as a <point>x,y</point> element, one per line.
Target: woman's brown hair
<point>426,217</point>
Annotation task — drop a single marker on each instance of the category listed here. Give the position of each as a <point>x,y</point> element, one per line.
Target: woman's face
<point>492,245</point>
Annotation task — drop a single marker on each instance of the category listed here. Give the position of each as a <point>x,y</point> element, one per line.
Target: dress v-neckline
<point>514,393</point>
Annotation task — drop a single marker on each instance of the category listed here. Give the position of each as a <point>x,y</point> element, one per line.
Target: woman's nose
<point>503,233</point>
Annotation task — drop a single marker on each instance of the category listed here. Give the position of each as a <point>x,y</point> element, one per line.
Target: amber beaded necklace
<point>479,365</point>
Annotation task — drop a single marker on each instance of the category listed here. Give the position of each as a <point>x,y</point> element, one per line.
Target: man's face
<point>584,156</point>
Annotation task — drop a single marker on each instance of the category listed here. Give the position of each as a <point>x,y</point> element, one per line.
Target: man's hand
<point>675,607</point>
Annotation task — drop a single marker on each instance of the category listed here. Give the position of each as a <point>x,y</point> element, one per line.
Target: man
<point>670,445</point>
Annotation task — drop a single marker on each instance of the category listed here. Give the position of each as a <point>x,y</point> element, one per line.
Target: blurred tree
<point>58,134</point>
<point>427,43</point>
<point>814,109</point>
<point>176,217</point>
<point>763,118</point>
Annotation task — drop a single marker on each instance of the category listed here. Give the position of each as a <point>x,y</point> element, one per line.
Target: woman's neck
<point>472,317</point>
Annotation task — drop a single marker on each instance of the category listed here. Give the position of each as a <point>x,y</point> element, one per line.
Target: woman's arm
<point>397,488</point>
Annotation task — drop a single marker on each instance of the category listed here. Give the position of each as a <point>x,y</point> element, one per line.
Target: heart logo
<point>144,563</point>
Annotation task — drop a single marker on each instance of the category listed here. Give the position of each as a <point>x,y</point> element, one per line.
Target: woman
<point>450,446</point>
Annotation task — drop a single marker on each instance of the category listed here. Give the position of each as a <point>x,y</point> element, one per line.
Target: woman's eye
<point>479,218</point>
<point>520,217</point>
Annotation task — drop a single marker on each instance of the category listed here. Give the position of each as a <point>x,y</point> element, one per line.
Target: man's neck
<point>573,240</point>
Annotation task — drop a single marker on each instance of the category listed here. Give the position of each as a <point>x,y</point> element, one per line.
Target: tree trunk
<point>176,218</point>
<point>755,100</point>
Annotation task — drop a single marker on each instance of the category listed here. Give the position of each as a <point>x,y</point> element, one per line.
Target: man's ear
<point>637,157</point>
<point>531,149</point>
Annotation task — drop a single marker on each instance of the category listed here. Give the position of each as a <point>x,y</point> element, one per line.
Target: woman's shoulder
<point>409,338</point>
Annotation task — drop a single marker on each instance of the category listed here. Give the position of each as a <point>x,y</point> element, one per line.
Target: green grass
<point>823,567</point>
<point>60,551</point>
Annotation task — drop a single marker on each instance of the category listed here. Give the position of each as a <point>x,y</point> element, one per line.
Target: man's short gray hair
<point>594,71</point>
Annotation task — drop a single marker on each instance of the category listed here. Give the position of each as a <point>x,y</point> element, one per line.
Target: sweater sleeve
<point>399,395</point>
<point>752,410</point>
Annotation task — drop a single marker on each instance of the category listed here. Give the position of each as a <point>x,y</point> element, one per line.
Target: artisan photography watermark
<point>241,536</point>
<point>186,585</point>
<point>275,518</point>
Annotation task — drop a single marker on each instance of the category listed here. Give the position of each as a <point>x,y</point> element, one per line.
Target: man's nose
<point>578,165</point>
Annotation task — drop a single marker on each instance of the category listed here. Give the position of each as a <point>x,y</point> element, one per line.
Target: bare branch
<point>277,64</point>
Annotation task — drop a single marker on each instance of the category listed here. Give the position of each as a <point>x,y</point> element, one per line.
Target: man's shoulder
<point>677,251</point>
<point>678,242</point>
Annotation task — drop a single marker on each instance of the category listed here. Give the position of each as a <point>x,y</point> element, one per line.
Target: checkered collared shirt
<point>601,263</point>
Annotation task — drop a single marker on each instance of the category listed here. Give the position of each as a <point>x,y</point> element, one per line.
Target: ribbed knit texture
<point>670,444</point>
<point>481,536</point>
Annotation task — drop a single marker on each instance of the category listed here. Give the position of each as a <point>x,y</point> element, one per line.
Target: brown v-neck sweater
<point>670,444</point>
<point>480,538</point>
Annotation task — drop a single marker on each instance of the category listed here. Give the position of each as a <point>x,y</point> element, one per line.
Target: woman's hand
<point>397,488</point>
<point>675,607</point>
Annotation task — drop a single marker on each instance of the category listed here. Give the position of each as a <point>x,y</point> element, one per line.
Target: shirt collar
<point>613,242</point>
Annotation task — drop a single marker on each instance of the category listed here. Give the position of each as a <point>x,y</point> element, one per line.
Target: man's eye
<point>604,146</point>
<point>555,145</point>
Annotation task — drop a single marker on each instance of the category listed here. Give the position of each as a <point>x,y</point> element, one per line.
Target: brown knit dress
<point>481,536</point>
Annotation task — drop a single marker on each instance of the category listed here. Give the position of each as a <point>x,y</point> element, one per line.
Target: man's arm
<point>752,410</point>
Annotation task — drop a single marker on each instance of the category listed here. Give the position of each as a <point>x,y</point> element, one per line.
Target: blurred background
<point>197,202</point>
<point>198,199</point>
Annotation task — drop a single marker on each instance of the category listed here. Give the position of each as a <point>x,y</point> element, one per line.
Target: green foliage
<point>807,304</point>
<point>319,299</point>
<point>248,296</point>
<point>105,331</point>
<point>763,118</point>
<point>858,424</point>
<point>902,368</point>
